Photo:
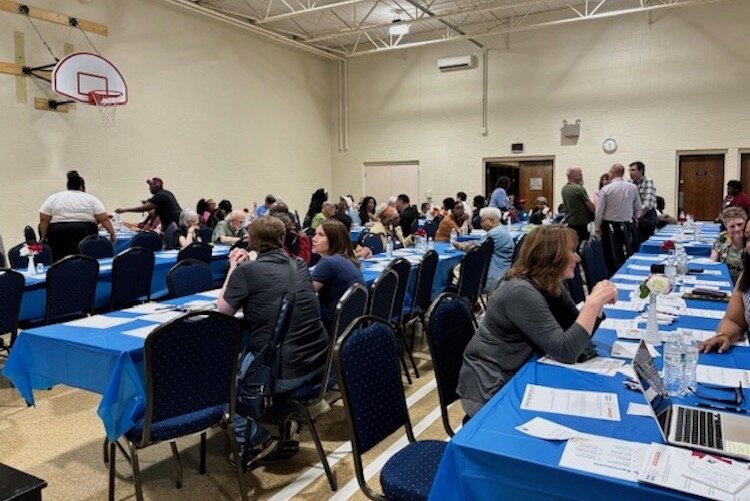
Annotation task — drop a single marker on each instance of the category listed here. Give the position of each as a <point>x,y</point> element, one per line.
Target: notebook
<point>710,430</point>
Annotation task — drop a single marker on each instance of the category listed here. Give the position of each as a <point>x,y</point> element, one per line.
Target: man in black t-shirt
<point>162,201</point>
<point>407,213</point>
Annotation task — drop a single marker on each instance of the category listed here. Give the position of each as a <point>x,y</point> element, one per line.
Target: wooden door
<point>536,181</point>
<point>745,171</point>
<point>701,185</point>
<point>493,170</point>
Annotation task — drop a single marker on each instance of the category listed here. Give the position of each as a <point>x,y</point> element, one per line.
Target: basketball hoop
<point>106,101</point>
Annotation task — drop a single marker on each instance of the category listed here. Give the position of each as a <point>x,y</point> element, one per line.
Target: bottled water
<point>389,249</point>
<point>673,364</point>
<point>682,260</point>
<point>690,360</point>
<point>670,268</point>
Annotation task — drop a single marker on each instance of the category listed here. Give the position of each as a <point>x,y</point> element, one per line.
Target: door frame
<point>517,159</point>
<point>680,153</point>
<point>384,163</point>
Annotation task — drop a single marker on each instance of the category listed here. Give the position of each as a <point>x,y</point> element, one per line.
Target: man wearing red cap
<point>162,201</point>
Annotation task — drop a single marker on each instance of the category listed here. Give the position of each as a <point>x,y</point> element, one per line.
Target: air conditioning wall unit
<point>457,63</point>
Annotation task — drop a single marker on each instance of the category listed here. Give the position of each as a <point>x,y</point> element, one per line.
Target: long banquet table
<point>489,459</point>
<point>34,297</point>
<point>686,236</point>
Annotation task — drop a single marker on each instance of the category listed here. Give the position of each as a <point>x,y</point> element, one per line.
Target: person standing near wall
<point>619,204</point>
<point>579,210</point>
<point>499,197</point>
<point>647,191</point>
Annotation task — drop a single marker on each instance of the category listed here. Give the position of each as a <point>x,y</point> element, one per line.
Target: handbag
<point>255,384</point>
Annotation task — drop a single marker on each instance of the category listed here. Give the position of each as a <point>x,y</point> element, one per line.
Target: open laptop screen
<point>651,383</point>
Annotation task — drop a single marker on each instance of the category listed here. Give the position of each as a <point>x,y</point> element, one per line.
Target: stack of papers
<point>722,376</point>
<point>627,350</point>
<point>598,365</point>
<point>588,404</point>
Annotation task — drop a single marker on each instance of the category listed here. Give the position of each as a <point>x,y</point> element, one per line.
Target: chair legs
<point>228,427</point>
<point>178,463</point>
<point>202,469</point>
<point>136,471</point>
<point>318,446</point>
<point>112,454</point>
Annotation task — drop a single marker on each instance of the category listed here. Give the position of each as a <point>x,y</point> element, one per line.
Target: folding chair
<point>132,271</point>
<point>96,246</point>
<point>188,277</point>
<point>11,294</point>
<point>71,288</point>
<point>198,250</point>
<point>148,240</point>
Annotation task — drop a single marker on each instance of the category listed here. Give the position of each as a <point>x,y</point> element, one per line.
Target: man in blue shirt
<point>499,197</point>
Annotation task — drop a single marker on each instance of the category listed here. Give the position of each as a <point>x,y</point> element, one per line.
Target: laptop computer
<point>723,433</point>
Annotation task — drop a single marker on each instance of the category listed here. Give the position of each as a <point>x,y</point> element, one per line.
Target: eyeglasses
<point>736,400</point>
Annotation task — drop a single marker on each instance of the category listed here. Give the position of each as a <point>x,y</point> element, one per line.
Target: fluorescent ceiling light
<point>398,28</point>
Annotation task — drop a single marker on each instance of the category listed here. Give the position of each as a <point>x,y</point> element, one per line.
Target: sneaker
<point>256,454</point>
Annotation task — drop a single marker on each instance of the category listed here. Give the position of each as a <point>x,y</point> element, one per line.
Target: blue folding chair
<point>132,271</point>
<point>190,367</point>
<point>171,236</point>
<point>430,228</point>
<point>148,240</point>
<point>402,267</point>
<point>71,288</point>
<point>29,234</point>
<point>575,286</point>
<point>198,250</point>
<point>21,262</point>
<point>188,277</point>
<point>449,327</point>
<point>367,370</point>
<point>594,264</point>
<point>96,246</point>
<point>206,233</point>
<point>374,242</point>
<point>11,294</point>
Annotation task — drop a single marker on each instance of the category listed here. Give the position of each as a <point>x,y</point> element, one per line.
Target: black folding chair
<point>575,286</point>
<point>594,265</point>
<point>517,248</point>
<point>430,228</point>
<point>21,262</point>
<point>96,246</point>
<point>71,288</point>
<point>171,236</point>
<point>29,234</point>
<point>11,294</point>
<point>188,277</point>
<point>148,240</point>
<point>132,271</point>
<point>470,278</point>
<point>403,268</point>
<point>374,242</point>
<point>197,250</point>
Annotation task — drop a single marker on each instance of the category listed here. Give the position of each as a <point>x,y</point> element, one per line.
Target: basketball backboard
<point>87,77</point>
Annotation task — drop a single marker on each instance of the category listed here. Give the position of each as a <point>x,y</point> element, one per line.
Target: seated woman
<point>730,243</point>
<point>367,211</point>
<point>230,230</point>
<point>338,268</point>
<point>455,220</point>
<point>388,227</point>
<point>734,326</point>
<point>189,224</point>
<point>541,212</point>
<point>257,288</point>
<point>296,243</point>
<point>531,312</point>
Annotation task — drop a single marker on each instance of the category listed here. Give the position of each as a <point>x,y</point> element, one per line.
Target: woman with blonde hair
<point>730,243</point>
<point>532,312</point>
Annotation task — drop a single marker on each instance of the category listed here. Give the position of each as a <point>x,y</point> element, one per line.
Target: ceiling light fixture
<point>398,27</point>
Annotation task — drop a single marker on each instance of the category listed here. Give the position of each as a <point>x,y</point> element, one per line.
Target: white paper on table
<point>673,300</point>
<point>610,457</point>
<point>630,278</point>
<point>377,267</point>
<point>710,272</point>
<point>702,260</point>
<point>616,323</point>
<point>141,332</point>
<point>621,286</point>
<point>590,404</point>
<point>664,465</point>
<point>722,376</point>
<point>162,317</point>
<point>718,283</point>
<point>547,430</point>
<point>650,257</point>
<point>598,365</point>
<point>198,305</point>
<point>717,473</point>
<point>99,322</point>
<point>627,350</point>
<point>414,259</point>
<point>147,308</point>
<point>636,409</point>
<point>212,293</point>
<point>627,371</point>
<point>625,306</point>
<point>639,267</point>
<point>696,312</point>
<point>172,252</point>
<point>661,318</point>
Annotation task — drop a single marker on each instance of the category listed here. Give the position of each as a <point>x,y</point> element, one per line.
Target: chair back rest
<point>369,376</point>
<point>472,268</point>
<point>449,327</point>
<point>206,234</point>
<point>171,236</point>
<point>430,228</point>
<point>198,350</point>
<point>362,235</point>
<point>488,246</point>
<point>189,276</point>
<point>575,286</point>
<point>594,266</point>
<point>197,250</point>
<point>148,240</point>
<point>71,287</point>
<point>383,294</point>
<point>517,248</point>
<point>414,226</point>
<point>21,262</point>
<point>132,270</point>
<point>402,267</point>
<point>632,237</point>
<point>29,234</point>
<point>425,280</point>
<point>96,247</point>
<point>11,293</point>
<point>352,305</point>
<point>374,242</point>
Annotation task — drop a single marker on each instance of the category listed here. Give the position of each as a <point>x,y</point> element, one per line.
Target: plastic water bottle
<point>507,222</point>
<point>690,360</point>
<point>670,268</point>
<point>454,236</point>
<point>673,364</point>
<point>682,260</point>
<point>389,249</point>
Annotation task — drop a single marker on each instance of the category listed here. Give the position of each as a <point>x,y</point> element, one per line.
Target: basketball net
<point>106,102</point>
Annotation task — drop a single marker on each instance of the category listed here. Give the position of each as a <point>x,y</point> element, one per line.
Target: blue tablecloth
<point>489,459</point>
<point>708,233</point>
<point>34,297</point>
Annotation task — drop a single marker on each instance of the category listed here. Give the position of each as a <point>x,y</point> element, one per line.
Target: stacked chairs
<point>71,288</point>
<point>197,350</point>
<point>148,240</point>
<point>132,271</point>
<point>450,326</point>
<point>188,277</point>
<point>198,251</point>
<point>20,262</point>
<point>96,247</point>
<point>11,294</point>
<point>367,369</point>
